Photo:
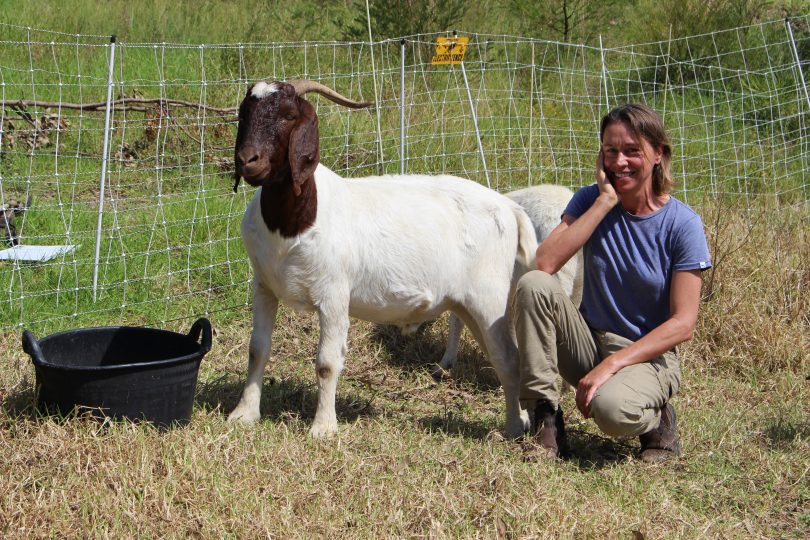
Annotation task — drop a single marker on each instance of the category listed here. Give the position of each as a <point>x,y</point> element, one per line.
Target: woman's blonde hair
<point>645,122</point>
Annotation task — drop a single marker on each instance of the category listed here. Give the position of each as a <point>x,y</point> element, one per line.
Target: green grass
<point>195,259</point>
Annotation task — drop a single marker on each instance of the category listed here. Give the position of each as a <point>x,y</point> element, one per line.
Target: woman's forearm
<point>663,338</point>
<point>569,237</point>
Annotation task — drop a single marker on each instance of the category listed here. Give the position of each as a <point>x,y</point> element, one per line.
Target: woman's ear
<point>304,150</point>
<point>658,155</point>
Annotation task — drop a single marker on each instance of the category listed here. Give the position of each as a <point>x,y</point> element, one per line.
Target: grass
<point>413,458</point>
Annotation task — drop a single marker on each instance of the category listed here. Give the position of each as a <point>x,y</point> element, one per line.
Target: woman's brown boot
<point>661,443</point>
<point>549,438</point>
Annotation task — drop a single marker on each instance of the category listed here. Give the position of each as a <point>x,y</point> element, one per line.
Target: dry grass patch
<point>756,311</point>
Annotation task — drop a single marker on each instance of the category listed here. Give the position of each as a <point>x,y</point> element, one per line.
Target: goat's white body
<point>395,250</point>
<point>544,204</point>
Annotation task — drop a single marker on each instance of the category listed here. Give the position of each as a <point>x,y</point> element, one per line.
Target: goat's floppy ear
<point>304,150</point>
<point>237,145</point>
<point>236,176</point>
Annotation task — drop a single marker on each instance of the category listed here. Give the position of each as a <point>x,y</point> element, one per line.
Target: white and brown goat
<point>392,249</point>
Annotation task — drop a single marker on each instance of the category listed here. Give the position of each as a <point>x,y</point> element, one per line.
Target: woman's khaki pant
<point>553,339</point>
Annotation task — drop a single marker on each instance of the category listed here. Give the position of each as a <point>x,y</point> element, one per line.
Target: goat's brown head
<point>277,137</point>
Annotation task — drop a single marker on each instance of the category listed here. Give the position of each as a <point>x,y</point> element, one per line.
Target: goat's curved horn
<point>303,86</point>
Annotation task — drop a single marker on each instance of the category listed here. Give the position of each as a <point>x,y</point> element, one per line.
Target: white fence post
<point>531,115</point>
<point>475,120</point>
<point>103,166</point>
<point>381,167</point>
<point>604,73</point>
<point>801,72</point>
<point>402,107</point>
<point>798,60</point>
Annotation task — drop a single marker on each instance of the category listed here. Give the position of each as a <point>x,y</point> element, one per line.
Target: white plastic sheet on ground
<point>34,253</point>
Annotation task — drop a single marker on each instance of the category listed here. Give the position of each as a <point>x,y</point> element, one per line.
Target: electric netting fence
<point>116,167</point>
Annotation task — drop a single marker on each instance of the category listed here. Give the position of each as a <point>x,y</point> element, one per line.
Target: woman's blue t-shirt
<point>629,261</point>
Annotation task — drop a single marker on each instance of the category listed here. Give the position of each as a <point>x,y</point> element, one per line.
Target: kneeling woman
<point>644,253</point>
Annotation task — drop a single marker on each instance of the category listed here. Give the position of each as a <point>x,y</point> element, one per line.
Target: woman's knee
<point>617,416</point>
<point>533,284</point>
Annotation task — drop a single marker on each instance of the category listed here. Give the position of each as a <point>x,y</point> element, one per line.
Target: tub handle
<point>31,347</point>
<point>201,325</point>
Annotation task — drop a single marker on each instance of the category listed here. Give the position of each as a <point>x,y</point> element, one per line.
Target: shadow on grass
<point>280,399</point>
<point>293,397</point>
<point>21,407</point>
<point>456,426</point>
<point>589,451</point>
<point>586,451</point>
<point>784,432</point>
<point>423,349</point>
<point>20,403</point>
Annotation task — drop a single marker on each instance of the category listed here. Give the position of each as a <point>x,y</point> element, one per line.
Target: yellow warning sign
<point>450,50</point>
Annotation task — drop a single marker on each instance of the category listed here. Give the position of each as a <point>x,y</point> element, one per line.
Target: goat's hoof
<point>323,431</point>
<point>513,434</point>
<point>516,429</point>
<point>439,373</point>
<point>244,416</point>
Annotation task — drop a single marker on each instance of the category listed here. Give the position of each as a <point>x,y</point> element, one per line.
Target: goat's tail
<point>527,242</point>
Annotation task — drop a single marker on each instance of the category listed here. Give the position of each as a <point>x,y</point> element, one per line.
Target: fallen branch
<point>25,103</point>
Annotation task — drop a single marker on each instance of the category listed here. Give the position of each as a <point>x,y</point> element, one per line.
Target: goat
<point>390,249</point>
<point>8,212</point>
<point>545,204</point>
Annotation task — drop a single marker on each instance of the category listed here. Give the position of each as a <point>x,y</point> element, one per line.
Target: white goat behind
<point>392,250</point>
<point>544,205</point>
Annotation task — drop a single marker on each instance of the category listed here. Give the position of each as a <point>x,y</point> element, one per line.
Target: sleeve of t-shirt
<point>691,248</point>
<point>581,201</point>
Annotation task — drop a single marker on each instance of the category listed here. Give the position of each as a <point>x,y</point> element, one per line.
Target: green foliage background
<point>737,123</point>
<point>227,21</point>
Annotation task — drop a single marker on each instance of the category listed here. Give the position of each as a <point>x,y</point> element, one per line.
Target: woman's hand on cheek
<point>606,190</point>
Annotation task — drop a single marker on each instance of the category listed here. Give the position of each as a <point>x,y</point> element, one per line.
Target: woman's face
<point>628,159</point>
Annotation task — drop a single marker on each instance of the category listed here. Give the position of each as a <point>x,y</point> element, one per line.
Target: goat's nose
<point>248,154</point>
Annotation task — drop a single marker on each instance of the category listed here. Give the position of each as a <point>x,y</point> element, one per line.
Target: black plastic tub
<point>142,374</point>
